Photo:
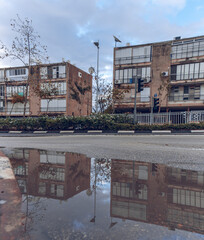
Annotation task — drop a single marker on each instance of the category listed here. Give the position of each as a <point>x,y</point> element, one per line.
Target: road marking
<point>40,132</point>
<point>15,131</point>
<point>161,131</point>
<point>126,131</point>
<point>66,131</point>
<point>95,131</point>
<point>197,131</point>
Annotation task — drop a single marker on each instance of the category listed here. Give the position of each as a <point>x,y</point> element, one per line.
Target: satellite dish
<point>91,70</point>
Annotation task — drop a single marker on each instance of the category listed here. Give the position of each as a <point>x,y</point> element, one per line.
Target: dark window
<point>173,72</point>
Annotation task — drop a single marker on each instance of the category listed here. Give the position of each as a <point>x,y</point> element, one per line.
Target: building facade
<point>172,70</point>
<point>72,95</point>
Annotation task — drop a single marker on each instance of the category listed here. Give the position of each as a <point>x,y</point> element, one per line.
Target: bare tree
<point>47,91</point>
<point>25,47</point>
<point>109,96</point>
<point>16,98</point>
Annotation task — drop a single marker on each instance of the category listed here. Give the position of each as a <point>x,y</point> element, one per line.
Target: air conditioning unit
<point>164,74</point>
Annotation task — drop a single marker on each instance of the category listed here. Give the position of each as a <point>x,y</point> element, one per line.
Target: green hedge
<point>94,122</point>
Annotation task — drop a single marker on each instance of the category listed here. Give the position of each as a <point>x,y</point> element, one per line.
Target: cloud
<point>178,4</point>
<point>69,27</point>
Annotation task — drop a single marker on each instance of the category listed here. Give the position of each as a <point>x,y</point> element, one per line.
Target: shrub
<point>94,122</point>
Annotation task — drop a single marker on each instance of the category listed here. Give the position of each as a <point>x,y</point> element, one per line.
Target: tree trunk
<point>48,105</point>
<point>11,109</point>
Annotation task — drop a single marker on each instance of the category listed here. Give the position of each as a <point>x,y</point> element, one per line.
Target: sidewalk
<point>11,218</point>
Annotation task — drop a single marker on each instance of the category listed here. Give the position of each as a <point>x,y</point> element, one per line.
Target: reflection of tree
<point>102,170</point>
<point>34,207</point>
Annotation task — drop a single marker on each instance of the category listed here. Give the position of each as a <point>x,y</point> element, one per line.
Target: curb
<point>102,132</point>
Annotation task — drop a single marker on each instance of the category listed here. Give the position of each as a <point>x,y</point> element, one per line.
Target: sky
<point>69,27</point>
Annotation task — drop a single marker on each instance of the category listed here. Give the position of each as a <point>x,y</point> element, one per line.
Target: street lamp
<point>116,40</point>
<point>97,71</point>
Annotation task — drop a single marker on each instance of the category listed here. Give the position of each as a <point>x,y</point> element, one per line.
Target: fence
<point>169,118</point>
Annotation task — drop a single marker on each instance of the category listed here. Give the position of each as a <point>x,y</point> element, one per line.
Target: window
<point>55,105</point>
<point>53,72</point>
<point>56,174</point>
<point>19,71</point>
<point>141,54</point>
<point>188,197</point>
<point>133,55</point>
<point>20,90</point>
<point>2,75</point>
<point>126,75</point>
<point>2,90</point>
<point>123,56</point>
<point>129,210</point>
<point>51,157</point>
<point>186,90</point>
<point>60,87</point>
<point>187,71</point>
<point>188,49</point>
<point>188,219</point>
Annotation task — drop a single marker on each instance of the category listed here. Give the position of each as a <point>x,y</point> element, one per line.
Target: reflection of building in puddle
<point>157,194</point>
<point>50,174</point>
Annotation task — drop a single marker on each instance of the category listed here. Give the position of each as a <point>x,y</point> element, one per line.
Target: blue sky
<point>69,27</point>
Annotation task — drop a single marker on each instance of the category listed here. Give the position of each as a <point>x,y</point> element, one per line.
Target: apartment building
<point>172,70</point>
<point>72,95</point>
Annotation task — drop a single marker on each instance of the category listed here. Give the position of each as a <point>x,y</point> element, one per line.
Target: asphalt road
<point>177,150</point>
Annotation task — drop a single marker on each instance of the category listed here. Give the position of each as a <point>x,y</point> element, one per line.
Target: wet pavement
<point>63,195</point>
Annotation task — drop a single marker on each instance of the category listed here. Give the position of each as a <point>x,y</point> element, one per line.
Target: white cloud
<point>69,27</point>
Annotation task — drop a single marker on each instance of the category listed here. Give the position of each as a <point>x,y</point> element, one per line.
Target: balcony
<point>185,97</point>
<point>132,60</point>
<point>189,76</point>
<point>132,100</point>
<point>53,76</point>
<point>15,111</point>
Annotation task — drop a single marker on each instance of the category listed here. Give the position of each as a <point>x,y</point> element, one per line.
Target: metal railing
<point>53,76</point>
<point>188,76</point>
<point>131,100</point>
<point>53,109</point>
<point>186,97</point>
<point>14,111</point>
<point>169,117</point>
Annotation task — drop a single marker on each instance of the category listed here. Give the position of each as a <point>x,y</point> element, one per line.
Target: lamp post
<point>97,72</point>
<point>116,40</point>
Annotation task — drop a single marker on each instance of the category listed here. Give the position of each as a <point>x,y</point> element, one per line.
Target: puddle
<point>70,196</point>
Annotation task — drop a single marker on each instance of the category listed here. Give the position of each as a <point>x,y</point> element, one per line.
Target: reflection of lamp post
<point>97,71</point>
<point>94,218</point>
<point>112,224</point>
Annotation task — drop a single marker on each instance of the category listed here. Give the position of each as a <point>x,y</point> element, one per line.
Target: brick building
<point>73,95</point>
<point>174,70</point>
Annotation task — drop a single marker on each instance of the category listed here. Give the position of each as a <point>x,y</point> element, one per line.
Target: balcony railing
<point>188,76</point>
<point>185,97</point>
<point>19,111</point>
<point>53,76</point>
<point>131,100</point>
<point>53,109</point>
